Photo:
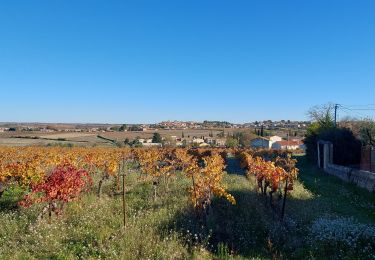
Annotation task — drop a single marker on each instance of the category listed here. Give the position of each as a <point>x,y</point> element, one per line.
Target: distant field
<point>66,135</point>
<point>21,142</point>
<point>89,139</point>
<point>27,139</point>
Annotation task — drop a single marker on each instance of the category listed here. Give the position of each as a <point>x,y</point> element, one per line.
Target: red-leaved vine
<point>64,184</point>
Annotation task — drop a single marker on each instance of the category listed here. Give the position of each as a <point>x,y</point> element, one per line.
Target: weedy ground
<point>325,219</point>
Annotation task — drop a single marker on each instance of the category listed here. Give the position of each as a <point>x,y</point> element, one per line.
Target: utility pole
<point>336,107</point>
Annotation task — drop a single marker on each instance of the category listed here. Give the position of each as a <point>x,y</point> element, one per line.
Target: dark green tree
<point>156,138</point>
<point>122,128</point>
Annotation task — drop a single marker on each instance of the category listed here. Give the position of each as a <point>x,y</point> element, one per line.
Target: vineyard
<point>169,203</point>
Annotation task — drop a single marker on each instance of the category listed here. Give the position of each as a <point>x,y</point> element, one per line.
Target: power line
<point>367,105</point>
<point>363,109</point>
<point>355,111</point>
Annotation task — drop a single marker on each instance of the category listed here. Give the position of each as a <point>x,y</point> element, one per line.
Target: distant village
<point>272,142</point>
<point>165,125</point>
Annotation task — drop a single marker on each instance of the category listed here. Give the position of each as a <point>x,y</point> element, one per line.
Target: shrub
<point>64,184</point>
<point>346,147</point>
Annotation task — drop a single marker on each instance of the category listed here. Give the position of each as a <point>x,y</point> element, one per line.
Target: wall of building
<point>260,143</point>
<point>363,179</point>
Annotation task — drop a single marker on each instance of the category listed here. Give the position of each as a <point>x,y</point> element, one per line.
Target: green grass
<point>332,195</point>
<point>168,229</point>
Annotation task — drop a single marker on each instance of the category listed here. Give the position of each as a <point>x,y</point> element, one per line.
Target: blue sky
<point>147,61</point>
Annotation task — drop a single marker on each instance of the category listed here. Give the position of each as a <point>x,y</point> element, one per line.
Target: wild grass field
<point>325,219</point>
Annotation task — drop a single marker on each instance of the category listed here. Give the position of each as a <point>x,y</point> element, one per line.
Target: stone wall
<point>363,179</point>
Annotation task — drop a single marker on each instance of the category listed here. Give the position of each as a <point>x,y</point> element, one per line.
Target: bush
<point>346,147</point>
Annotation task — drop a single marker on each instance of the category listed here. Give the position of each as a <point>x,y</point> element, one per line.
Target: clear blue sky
<point>147,61</point>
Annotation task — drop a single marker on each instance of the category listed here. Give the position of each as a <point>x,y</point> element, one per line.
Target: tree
<point>135,128</point>
<point>156,138</point>
<point>169,142</point>
<point>262,131</point>
<point>231,142</point>
<point>182,135</point>
<point>243,138</point>
<point>221,134</point>
<point>346,147</point>
<point>367,132</point>
<point>122,128</point>
<point>195,145</point>
<point>322,120</point>
<point>114,128</point>
<point>136,143</point>
<point>323,115</point>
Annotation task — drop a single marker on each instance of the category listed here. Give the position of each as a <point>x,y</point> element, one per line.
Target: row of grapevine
<point>62,174</point>
<point>47,169</point>
<point>274,174</point>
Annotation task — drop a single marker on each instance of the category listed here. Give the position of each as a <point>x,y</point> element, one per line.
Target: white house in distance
<point>145,141</point>
<point>198,140</point>
<point>288,145</point>
<point>152,144</point>
<point>263,142</point>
